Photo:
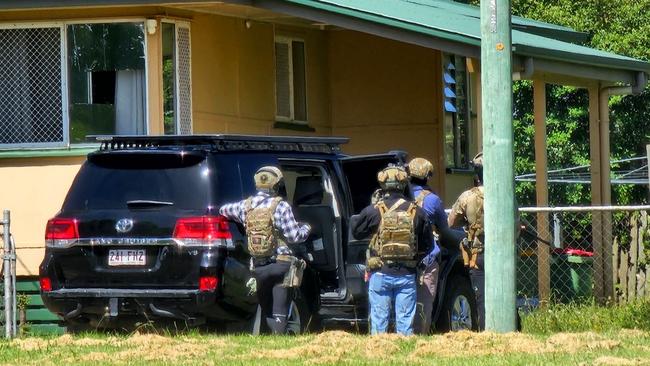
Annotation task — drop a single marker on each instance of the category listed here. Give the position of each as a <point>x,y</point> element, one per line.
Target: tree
<point>620,26</point>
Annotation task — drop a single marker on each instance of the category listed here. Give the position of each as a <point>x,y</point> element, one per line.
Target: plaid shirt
<point>283,219</point>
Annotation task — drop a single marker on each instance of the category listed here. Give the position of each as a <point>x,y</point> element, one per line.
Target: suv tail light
<point>203,230</point>
<point>61,233</point>
<point>46,284</point>
<point>208,283</point>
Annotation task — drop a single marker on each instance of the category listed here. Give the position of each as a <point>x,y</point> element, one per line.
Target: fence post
<point>9,281</point>
<point>647,154</point>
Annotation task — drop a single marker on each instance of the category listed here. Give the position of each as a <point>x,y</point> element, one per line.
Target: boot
<point>277,324</point>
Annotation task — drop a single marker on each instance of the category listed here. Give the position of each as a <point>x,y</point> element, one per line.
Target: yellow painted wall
<point>386,96</point>
<point>383,94</point>
<point>33,190</point>
<point>233,77</point>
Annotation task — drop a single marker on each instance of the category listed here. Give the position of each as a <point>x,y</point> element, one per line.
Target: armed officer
<point>270,226</point>
<point>420,171</point>
<point>467,212</point>
<point>400,234</point>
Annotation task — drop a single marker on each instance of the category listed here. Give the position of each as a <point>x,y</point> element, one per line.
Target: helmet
<point>420,168</point>
<point>268,179</point>
<point>478,160</point>
<point>477,163</point>
<point>392,178</point>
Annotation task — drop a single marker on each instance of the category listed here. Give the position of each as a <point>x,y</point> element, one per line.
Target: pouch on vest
<point>395,237</point>
<point>293,277</point>
<point>261,235</point>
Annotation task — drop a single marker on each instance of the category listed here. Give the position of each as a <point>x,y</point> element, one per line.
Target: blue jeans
<point>383,290</point>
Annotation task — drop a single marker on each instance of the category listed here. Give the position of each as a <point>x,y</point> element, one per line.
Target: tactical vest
<point>475,230</point>
<point>395,239</point>
<point>263,237</point>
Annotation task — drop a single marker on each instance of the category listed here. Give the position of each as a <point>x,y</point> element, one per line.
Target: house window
<point>290,80</point>
<point>177,99</point>
<point>456,106</point>
<point>62,81</point>
<point>31,97</point>
<point>106,78</point>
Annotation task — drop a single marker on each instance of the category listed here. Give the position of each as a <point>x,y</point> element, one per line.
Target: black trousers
<point>273,298</point>
<point>477,276</point>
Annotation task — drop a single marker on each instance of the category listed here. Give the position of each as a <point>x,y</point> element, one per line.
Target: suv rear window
<point>109,181</point>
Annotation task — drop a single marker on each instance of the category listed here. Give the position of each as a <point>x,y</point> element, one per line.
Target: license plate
<point>126,257</point>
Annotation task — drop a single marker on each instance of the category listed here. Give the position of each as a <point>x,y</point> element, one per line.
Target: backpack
<point>476,229</point>
<point>263,238</point>
<point>395,239</point>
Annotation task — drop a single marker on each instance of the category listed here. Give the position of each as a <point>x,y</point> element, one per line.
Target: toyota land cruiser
<point>139,235</point>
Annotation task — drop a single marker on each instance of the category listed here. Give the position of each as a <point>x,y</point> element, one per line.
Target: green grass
<point>559,335</point>
<point>588,317</point>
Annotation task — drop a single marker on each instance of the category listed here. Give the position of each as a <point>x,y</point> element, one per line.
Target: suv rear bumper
<point>98,303</point>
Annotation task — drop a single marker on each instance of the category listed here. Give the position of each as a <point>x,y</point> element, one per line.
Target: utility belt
<point>376,263</point>
<point>471,250</point>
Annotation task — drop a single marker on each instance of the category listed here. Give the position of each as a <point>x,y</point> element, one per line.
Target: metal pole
<point>8,302</point>
<point>647,149</point>
<point>498,171</point>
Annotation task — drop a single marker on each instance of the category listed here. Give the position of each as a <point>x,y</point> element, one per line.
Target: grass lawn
<point>573,334</point>
<point>622,347</point>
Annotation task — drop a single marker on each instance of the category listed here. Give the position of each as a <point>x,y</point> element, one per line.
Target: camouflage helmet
<point>420,168</point>
<point>392,178</point>
<point>477,163</point>
<point>478,160</point>
<point>268,179</point>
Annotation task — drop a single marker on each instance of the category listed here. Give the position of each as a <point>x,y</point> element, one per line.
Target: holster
<point>293,277</point>
<point>466,251</point>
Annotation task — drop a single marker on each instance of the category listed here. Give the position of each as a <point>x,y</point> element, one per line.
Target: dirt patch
<point>577,342</point>
<point>30,344</point>
<point>474,344</point>
<point>633,333</point>
<point>382,346</point>
<point>617,361</point>
<point>486,343</point>
<point>146,347</point>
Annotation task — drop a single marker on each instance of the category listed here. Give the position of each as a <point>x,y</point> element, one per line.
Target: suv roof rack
<point>223,142</point>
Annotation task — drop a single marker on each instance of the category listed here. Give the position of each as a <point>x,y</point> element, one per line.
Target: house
<point>391,74</point>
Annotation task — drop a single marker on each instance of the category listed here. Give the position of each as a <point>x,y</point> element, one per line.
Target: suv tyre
<point>459,310</point>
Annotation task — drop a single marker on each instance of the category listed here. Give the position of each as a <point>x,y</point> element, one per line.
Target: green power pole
<point>498,166</point>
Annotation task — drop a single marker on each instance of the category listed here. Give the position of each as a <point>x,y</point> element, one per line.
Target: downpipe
<point>603,104</point>
<point>9,278</point>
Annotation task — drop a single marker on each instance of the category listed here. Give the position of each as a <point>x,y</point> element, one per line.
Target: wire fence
<point>573,254</point>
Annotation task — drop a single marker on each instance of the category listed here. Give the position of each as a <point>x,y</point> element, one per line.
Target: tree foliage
<point>620,26</point>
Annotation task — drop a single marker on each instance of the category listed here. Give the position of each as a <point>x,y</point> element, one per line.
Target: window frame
<point>65,80</point>
<point>177,107</point>
<point>468,91</point>
<point>288,40</point>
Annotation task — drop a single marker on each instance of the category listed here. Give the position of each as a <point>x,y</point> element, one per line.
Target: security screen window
<point>456,104</point>
<point>169,82</point>
<point>290,80</point>
<point>106,73</point>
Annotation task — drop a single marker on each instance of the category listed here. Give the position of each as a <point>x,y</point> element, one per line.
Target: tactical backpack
<point>476,229</point>
<point>395,239</point>
<point>263,238</point>
<point>473,246</point>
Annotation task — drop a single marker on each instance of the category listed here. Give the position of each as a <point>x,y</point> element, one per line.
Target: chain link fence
<point>575,254</point>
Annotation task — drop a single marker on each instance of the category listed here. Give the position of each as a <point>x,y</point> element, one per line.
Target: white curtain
<point>129,102</point>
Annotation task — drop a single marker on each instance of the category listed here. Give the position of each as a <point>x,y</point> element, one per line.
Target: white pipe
<point>585,208</point>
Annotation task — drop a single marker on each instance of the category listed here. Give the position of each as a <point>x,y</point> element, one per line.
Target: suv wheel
<point>459,306</point>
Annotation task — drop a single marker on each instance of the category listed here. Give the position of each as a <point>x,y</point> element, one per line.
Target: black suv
<point>139,235</point>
